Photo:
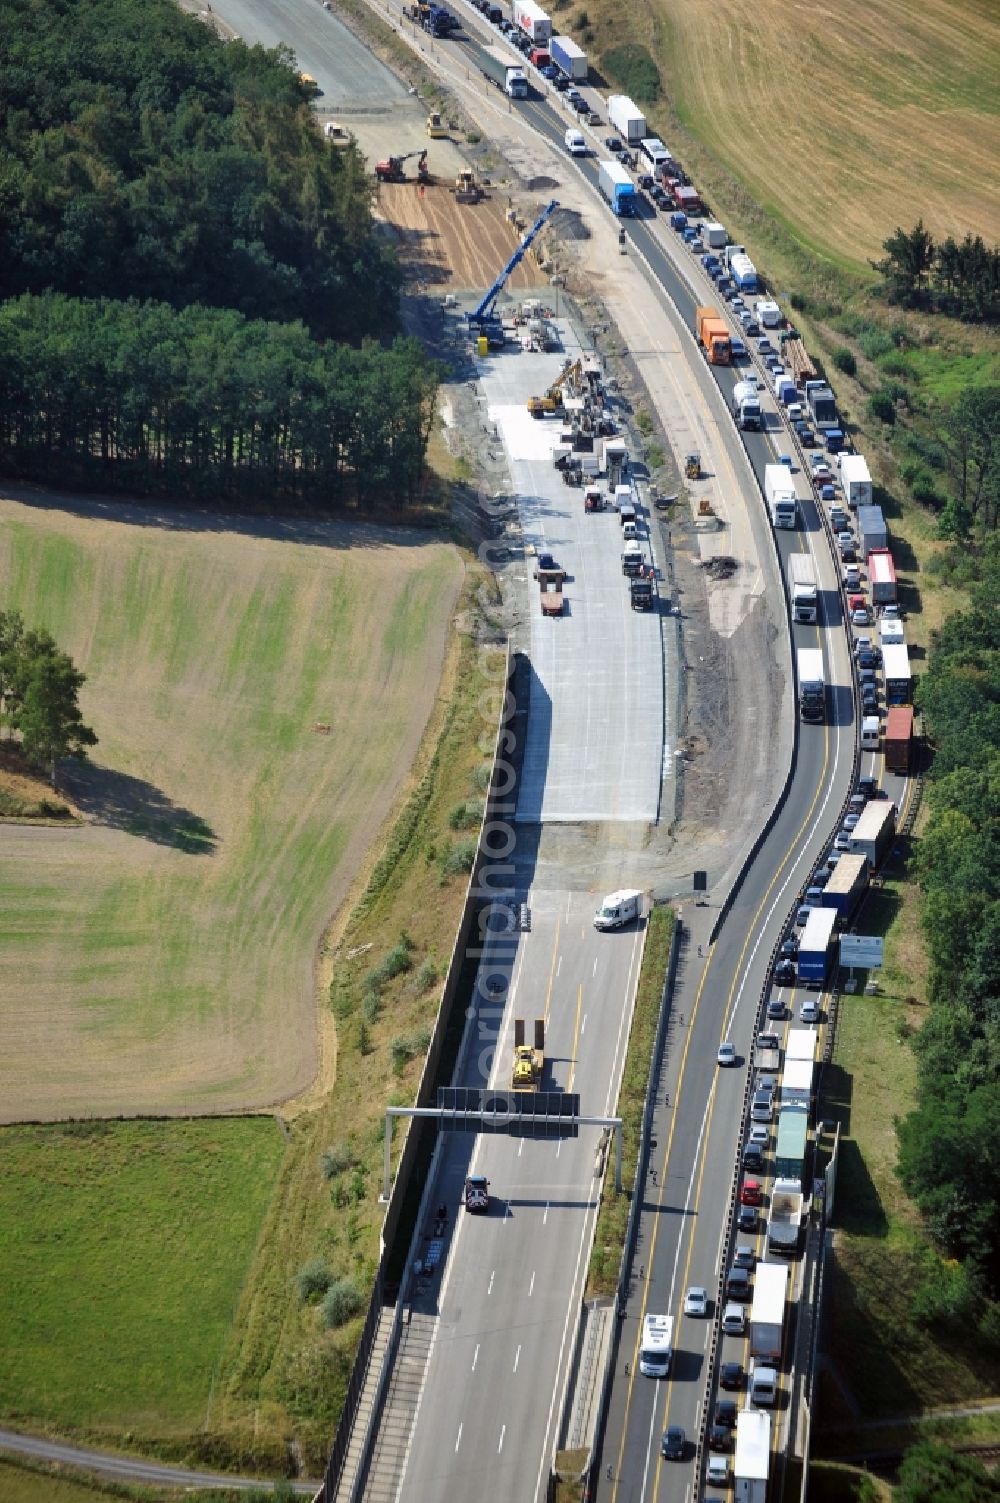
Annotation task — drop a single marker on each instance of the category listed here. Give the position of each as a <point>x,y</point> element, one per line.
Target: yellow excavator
<point>692,466</point>
<point>552,402</point>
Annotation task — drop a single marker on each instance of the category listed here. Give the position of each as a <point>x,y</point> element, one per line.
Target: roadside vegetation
<point>25,1481</point>
<point>40,699</point>
<point>612,1218</point>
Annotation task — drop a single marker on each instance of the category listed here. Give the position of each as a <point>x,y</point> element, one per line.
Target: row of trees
<point>957,277</point>
<point>205,402</point>
<point>143,157</point>
<point>949,1147</point>
<point>39,695</point>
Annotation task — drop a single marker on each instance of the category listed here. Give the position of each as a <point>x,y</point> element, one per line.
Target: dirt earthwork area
<point>448,245</point>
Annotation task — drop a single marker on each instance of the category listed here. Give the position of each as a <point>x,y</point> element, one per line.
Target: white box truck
<point>802,580</point>
<point>752,1458</point>
<point>779,493</point>
<point>533,21</point>
<point>714,235</point>
<point>856,480</point>
<point>627,119</point>
<point>812,685</point>
<point>767,1312</point>
<point>657,1347</point>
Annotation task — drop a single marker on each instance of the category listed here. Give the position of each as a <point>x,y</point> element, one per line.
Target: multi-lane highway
<point>505,1306</point>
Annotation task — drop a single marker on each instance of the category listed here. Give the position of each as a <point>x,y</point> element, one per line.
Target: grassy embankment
<point>33,1482</point>
<point>280,1376</point>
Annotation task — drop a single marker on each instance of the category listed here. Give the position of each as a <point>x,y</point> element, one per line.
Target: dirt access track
<point>260,690</point>
<point>452,246</point>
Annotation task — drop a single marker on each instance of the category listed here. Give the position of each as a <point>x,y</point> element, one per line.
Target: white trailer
<point>801,1044</point>
<point>856,480</point>
<point>812,684</point>
<point>714,234</point>
<point>767,1312</point>
<point>627,119</point>
<point>533,21</point>
<point>779,493</point>
<point>796,1082</point>
<point>752,1458</point>
<point>802,579</point>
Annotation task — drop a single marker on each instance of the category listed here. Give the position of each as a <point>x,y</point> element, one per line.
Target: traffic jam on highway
<point>818,494</point>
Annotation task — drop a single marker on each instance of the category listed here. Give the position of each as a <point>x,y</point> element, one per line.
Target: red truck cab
<point>539,57</point>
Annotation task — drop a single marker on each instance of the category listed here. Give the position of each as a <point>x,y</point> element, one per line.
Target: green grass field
<point>123,1259</point>
<point>259,700</point>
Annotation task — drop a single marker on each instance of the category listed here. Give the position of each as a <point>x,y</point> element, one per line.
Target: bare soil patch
<point>162,959</point>
<point>453,246</point>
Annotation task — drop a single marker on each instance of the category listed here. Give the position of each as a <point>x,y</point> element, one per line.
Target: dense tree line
<point>191,281</point>
<point>957,277</point>
<point>39,695</point>
<point>206,402</point>
<point>143,157</point>
<point>949,1155</point>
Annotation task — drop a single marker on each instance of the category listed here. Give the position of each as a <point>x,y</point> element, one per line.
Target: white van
<point>619,907</point>
<point>871,728</point>
<point>629,531</point>
<point>657,1346</point>
<point>575,144</point>
<point>763,1386</point>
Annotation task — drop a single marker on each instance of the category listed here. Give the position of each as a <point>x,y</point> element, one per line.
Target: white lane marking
<point>594,971</point>
<point>506,1212</point>
<point>545,1217</point>
<point>558,967</point>
<point>531,1286</point>
<point>517,1358</point>
<point>475,1357</point>
<point>583,1025</point>
<point>458,1438</point>
<point>492,1277</point>
<point>520,1148</point>
<point>503,1432</point>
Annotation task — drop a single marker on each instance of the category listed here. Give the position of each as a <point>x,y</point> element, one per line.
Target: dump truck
<point>476,1196</point>
<point>619,908</point>
<point>529,1060</point>
<point>899,739</point>
<point>641,592</point>
<point>713,335</point>
<point>784,1218</point>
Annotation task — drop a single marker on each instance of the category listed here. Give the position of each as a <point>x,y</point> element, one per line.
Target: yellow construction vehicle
<point>552,402</point>
<point>528,1062</point>
<point>336,134</point>
<point>436,128</point>
<point>467,190</point>
<point>692,466</point>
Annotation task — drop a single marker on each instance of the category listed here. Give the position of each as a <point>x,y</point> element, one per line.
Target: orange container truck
<point>713,336</point>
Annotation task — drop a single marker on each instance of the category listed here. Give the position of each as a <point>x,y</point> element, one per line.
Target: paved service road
<point>130,1468</point>
<point>596,713</point>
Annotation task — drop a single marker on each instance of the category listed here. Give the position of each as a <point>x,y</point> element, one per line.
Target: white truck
<point>767,310</point>
<point>779,493</point>
<point>802,581</point>
<point>812,684</point>
<point>746,405</point>
<point>856,480</point>
<point>657,1347</point>
<point>752,1457</point>
<point>714,234</point>
<point>515,83</point>
<point>784,1217</point>
<point>533,21</point>
<point>627,119</point>
<point>767,1312</point>
<point>619,908</point>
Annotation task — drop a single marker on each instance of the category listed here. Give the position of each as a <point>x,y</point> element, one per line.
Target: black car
<point>747,1219</point>
<point>869,698</point>
<point>725,1413</point>
<point>730,1375</point>
<point>752,1157</point>
<point>807,437</point>
<point>561,83</point>
<point>867,659</point>
<point>613,143</point>
<point>674,1443</point>
<point>647,182</point>
<point>869,787</point>
<point>789,946</point>
<point>784,972</point>
<point>719,1438</point>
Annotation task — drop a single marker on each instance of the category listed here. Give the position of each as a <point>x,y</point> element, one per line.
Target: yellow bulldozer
<point>529,1061</point>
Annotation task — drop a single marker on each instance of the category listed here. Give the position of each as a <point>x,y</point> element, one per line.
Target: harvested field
<point>454,246</point>
<point>849,122</point>
<point>259,700</point>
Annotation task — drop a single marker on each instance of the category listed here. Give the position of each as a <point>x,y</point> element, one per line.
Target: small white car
<point>760,1135</point>
<point>717,1470</point>
<point>734,1319</point>
<point>726,1054</point>
<point>696,1301</point>
<point>809,1011</point>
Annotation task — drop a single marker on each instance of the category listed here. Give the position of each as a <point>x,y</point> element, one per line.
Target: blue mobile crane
<point>485,319</point>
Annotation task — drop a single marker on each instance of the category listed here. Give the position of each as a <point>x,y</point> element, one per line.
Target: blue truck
<point>618,188</point>
<point>815,946</point>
